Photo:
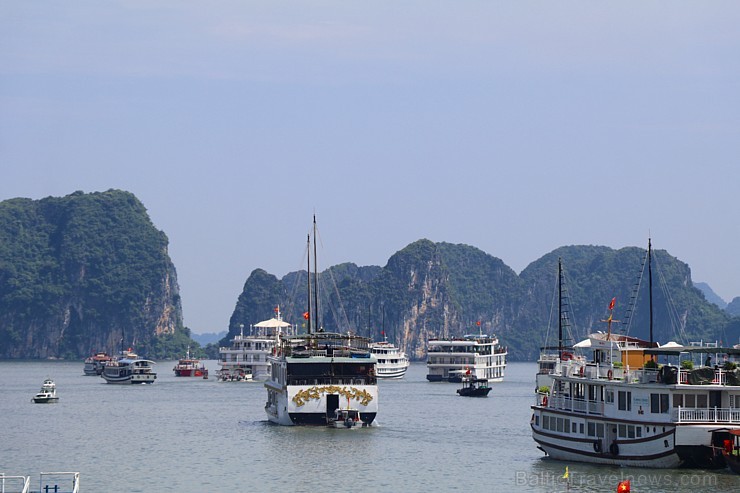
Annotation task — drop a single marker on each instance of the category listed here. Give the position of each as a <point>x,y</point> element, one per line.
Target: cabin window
<point>701,400</point>
<point>574,429</point>
<point>638,431</point>
<point>560,425</point>
<point>537,420</point>
<point>592,429</point>
<point>690,400</point>
<point>658,403</point>
<point>580,427</point>
<point>622,431</point>
<point>593,392</point>
<point>677,400</point>
<point>546,422</point>
<point>600,430</point>
<point>609,396</point>
<point>631,431</point>
<point>624,400</point>
<point>734,400</point>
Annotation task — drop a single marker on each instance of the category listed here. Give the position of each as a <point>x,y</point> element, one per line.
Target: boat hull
<point>391,374</point>
<point>474,393</point>
<point>190,373</point>
<point>315,405</point>
<point>649,454</point>
<point>130,379</point>
<point>46,400</point>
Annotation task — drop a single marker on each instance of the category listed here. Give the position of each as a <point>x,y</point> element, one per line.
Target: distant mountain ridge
<point>440,290</point>
<point>90,272</point>
<point>710,295</point>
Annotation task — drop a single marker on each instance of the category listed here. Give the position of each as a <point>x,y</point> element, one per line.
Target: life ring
<point>614,448</point>
<point>609,374</point>
<point>566,356</point>
<point>597,447</point>
<point>581,371</point>
<point>544,401</point>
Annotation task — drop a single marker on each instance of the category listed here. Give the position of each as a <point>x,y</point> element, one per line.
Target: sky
<point>516,127</point>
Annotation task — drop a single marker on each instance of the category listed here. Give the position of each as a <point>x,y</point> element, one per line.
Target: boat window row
<point>629,431</point>
<point>594,429</point>
<point>559,424</point>
<point>482,350</point>
<point>451,361</point>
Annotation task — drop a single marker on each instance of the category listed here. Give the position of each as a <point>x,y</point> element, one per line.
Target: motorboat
<point>47,394</point>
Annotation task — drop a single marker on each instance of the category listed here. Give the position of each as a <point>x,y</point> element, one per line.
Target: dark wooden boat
<point>474,387</point>
<point>731,451</point>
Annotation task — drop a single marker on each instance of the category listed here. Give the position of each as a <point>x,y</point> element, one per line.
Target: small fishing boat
<point>47,394</point>
<point>94,364</point>
<point>190,367</point>
<point>474,387</point>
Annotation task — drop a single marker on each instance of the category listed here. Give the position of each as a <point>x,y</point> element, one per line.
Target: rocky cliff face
<point>83,273</point>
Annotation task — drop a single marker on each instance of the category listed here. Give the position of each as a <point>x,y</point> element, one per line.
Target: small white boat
<point>47,394</point>
<point>345,418</point>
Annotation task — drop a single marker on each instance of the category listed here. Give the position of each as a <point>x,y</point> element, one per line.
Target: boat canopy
<point>272,323</point>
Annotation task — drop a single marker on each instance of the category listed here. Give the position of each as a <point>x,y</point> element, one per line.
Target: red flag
<point>382,332</point>
<point>305,315</point>
<point>478,323</point>
<point>277,309</point>
<point>611,304</point>
<point>624,486</point>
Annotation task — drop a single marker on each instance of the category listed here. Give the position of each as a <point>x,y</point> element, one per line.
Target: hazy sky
<point>516,127</point>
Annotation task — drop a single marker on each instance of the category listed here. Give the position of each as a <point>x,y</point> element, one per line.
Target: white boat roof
<point>272,323</point>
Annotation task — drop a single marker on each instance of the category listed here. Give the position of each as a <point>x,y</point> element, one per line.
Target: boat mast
<point>315,277</point>
<point>560,308</point>
<point>650,287</point>
<point>308,272</point>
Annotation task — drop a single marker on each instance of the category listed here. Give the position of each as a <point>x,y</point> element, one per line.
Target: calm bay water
<point>194,435</point>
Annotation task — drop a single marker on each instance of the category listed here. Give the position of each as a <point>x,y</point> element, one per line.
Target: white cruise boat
<point>247,357</point>
<point>392,362</point>
<point>474,355</point>
<point>615,410</point>
<point>314,375</point>
<point>129,369</point>
<point>626,407</point>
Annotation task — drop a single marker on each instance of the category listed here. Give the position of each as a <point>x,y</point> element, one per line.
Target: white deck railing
<point>577,405</point>
<point>711,415</point>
